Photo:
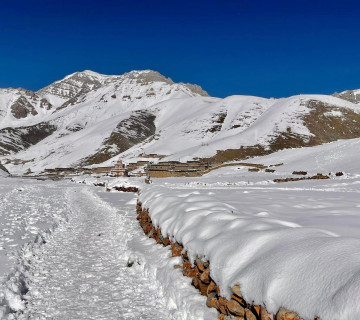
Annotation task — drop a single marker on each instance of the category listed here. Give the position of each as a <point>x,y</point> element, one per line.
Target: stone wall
<point>167,174</point>
<point>234,308</point>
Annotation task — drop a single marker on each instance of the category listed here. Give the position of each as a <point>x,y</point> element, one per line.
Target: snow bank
<point>277,263</point>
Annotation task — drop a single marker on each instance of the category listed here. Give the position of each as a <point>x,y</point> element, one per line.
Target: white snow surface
<point>287,245</point>
<point>93,263</point>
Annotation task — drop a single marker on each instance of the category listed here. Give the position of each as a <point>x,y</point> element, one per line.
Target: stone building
<point>177,169</point>
<point>119,170</point>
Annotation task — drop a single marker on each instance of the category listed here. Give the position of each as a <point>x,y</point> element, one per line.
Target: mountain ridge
<point>94,119</point>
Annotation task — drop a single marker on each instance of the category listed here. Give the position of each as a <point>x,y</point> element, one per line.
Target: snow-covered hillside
<point>245,126</point>
<point>84,109</point>
<point>339,156</point>
<point>88,118</point>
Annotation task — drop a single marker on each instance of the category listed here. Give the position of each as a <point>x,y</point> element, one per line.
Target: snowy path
<point>83,272</point>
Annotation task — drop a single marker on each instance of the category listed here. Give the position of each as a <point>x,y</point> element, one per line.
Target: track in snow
<point>83,271</point>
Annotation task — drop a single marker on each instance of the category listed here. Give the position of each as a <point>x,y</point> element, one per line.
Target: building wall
<point>167,174</point>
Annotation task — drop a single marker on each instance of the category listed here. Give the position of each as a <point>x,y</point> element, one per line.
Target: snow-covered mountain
<point>88,118</point>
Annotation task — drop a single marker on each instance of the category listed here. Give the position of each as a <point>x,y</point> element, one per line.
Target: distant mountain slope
<point>91,119</point>
<point>20,106</point>
<point>337,156</point>
<point>238,127</point>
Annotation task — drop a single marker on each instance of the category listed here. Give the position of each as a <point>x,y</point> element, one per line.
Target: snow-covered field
<point>292,245</point>
<point>72,250</point>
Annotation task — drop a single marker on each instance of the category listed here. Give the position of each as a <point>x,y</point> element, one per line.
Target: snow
<point>28,210</point>
<point>93,263</point>
<point>287,245</point>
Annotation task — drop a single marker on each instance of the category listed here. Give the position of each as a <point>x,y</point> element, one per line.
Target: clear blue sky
<point>264,48</point>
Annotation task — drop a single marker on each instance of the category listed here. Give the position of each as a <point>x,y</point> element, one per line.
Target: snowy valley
<point>268,231</point>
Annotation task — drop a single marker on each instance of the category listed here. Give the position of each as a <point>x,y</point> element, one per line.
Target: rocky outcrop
<point>129,132</point>
<point>236,307</point>
<point>73,85</point>
<point>13,140</point>
<point>349,95</point>
<point>21,108</point>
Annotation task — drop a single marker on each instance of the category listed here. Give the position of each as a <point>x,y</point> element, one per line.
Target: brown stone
<point>205,276</point>
<point>188,270</point>
<point>236,290</point>
<point>203,288</point>
<point>265,315</point>
<point>176,249</point>
<point>166,241</point>
<point>196,282</point>
<point>222,309</point>
<point>218,291</point>
<point>284,314</point>
<point>147,229</point>
<point>151,234</point>
<point>235,308</point>
<point>212,301</point>
<point>212,287</point>
<point>239,299</point>
<point>250,314</point>
<point>200,264</point>
<point>222,305</point>
<point>257,311</point>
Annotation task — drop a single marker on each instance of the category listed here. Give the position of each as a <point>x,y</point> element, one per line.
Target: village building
<point>119,170</point>
<point>177,169</point>
<point>102,170</point>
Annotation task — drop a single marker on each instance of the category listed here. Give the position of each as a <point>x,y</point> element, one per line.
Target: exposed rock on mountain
<point>349,95</point>
<point>13,140</point>
<point>129,132</point>
<point>21,108</point>
<point>73,85</point>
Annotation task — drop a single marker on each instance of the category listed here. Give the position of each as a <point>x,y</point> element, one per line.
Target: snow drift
<point>311,270</point>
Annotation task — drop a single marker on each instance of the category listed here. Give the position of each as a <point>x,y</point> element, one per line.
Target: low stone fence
<point>199,271</point>
<point>125,189</point>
